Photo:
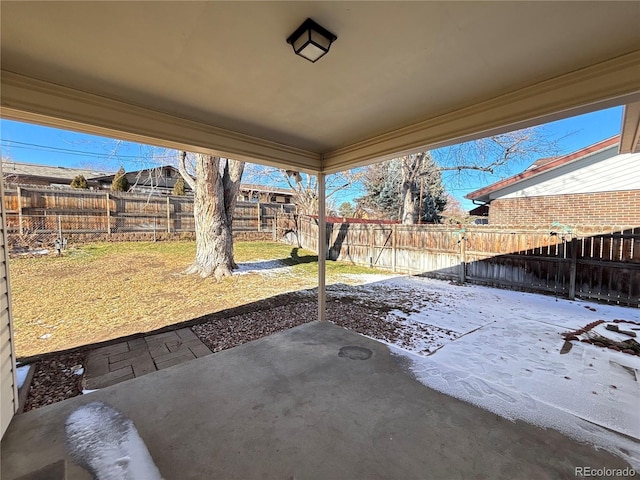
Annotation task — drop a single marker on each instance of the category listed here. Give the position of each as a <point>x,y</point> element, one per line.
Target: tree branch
<point>182,168</point>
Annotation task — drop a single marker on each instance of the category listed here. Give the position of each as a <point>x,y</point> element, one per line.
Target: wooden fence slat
<point>603,265</point>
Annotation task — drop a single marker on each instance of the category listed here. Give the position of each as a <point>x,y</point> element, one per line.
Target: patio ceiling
<point>219,77</point>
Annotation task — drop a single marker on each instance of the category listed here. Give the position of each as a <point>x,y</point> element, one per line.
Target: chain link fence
<point>31,233</point>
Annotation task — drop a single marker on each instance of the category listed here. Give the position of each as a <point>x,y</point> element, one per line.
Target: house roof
<point>265,188</point>
<point>65,174</point>
<point>110,176</point>
<point>538,167</point>
<point>46,171</point>
<point>219,77</point>
<point>540,162</point>
<point>480,211</point>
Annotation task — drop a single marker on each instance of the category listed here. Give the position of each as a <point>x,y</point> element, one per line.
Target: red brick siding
<point>604,208</point>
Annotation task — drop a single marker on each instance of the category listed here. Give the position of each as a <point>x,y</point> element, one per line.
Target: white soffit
<point>219,76</point>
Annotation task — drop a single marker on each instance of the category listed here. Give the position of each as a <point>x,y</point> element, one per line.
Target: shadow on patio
<point>291,406</point>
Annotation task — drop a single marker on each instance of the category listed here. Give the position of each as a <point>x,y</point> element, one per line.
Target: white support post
<point>322,249</point>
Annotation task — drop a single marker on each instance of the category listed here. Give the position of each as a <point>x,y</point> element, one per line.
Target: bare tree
<point>304,187</point>
<point>493,154</point>
<point>8,176</point>
<point>215,185</point>
<point>391,186</point>
<point>454,213</point>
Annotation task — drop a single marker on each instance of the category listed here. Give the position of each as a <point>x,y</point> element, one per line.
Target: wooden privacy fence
<point>591,262</point>
<point>41,209</point>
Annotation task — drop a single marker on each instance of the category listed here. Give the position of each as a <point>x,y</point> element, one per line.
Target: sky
<point>28,143</point>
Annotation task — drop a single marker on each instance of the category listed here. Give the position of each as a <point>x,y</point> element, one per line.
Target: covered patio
<point>301,405</point>
<point>219,78</point>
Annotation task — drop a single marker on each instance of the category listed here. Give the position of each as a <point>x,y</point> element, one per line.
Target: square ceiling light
<point>311,41</point>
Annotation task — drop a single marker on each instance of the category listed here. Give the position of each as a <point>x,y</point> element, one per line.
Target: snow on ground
<point>500,350</point>
<point>365,277</point>
<point>264,267</point>
<point>21,374</point>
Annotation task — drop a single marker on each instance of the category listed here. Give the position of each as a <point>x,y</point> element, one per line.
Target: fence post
<point>372,252</point>
<point>19,191</point>
<point>168,214</point>
<point>463,257</point>
<point>573,268</point>
<point>108,214</point>
<point>394,240</point>
<point>259,217</point>
<point>275,226</point>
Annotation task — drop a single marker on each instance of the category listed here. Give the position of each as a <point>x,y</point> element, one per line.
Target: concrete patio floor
<point>290,406</point>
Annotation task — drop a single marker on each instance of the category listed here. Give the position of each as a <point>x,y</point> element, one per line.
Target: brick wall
<point>604,208</point>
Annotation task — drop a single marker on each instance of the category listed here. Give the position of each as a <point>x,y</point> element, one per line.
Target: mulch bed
<point>55,380</point>
<point>223,333</point>
<point>220,334</point>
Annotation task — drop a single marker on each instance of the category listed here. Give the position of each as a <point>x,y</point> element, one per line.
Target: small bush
<point>79,182</point>
<point>120,182</point>
<point>178,188</point>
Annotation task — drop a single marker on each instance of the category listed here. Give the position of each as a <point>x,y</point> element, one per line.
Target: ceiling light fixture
<point>311,41</point>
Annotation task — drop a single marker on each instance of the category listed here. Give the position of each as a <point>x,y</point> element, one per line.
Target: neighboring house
<point>149,180</point>
<point>594,185</point>
<point>16,173</point>
<point>250,192</point>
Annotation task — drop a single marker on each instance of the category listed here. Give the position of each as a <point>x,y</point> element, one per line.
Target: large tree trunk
<point>409,206</point>
<point>217,183</point>
<point>410,170</point>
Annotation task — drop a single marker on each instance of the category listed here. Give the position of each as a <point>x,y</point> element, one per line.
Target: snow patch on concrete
<point>104,441</point>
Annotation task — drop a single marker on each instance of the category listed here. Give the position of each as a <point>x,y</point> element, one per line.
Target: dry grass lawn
<point>103,291</point>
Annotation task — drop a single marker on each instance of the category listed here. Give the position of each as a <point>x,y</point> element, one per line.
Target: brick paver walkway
<point>122,361</point>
